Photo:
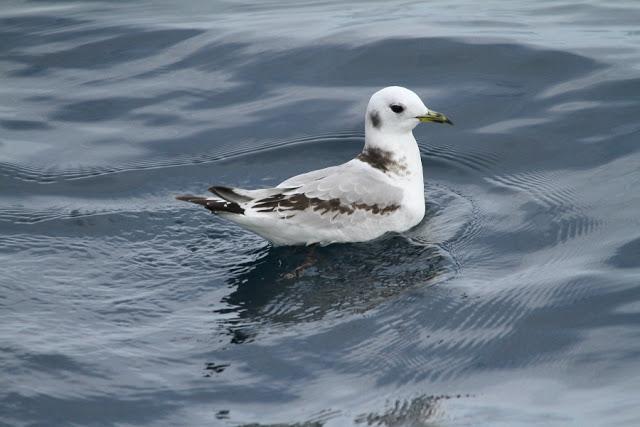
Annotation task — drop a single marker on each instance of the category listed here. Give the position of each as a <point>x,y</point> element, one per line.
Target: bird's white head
<point>397,110</point>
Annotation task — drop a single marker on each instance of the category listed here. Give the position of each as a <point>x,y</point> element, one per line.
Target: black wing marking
<point>213,205</point>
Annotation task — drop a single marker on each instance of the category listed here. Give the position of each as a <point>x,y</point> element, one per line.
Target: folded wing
<point>338,195</point>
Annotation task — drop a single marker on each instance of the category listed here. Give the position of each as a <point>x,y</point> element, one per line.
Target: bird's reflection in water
<point>342,279</point>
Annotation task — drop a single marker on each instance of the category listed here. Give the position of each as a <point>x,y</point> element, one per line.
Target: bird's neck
<point>399,145</point>
<point>400,148</point>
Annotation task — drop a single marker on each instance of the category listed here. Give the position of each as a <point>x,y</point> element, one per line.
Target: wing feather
<point>339,195</point>
<point>298,180</point>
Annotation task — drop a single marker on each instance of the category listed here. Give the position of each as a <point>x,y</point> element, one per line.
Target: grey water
<point>515,302</point>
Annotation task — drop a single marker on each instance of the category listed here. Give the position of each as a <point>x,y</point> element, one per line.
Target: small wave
<point>38,175</point>
<point>562,215</point>
<point>477,161</point>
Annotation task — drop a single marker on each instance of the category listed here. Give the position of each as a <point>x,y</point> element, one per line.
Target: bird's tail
<point>213,204</point>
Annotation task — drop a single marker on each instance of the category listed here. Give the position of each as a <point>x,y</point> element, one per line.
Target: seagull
<point>379,191</point>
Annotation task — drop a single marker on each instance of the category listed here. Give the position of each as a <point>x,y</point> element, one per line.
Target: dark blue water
<point>515,302</point>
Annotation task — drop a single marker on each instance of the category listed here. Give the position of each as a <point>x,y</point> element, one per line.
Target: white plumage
<point>379,191</point>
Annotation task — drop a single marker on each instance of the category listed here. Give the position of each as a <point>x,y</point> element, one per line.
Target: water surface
<point>515,302</point>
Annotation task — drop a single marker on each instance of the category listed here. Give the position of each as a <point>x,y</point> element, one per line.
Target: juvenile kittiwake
<point>379,191</point>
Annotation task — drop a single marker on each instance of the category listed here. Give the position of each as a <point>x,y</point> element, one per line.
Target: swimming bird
<point>379,191</point>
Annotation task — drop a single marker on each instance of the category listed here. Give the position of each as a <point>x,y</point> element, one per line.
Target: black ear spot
<point>396,108</point>
<point>375,119</point>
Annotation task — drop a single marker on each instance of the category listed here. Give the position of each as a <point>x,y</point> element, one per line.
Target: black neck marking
<point>381,159</point>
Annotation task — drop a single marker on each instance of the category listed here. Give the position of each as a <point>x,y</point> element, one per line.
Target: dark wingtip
<point>228,193</point>
<point>214,206</point>
<point>193,199</point>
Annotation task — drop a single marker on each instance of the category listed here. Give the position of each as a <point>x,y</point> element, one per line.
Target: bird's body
<point>379,191</point>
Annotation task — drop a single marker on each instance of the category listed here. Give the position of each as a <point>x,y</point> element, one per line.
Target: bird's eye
<point>396,108</point>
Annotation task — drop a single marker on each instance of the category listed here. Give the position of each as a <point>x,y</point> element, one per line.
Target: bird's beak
<point>434,116</point>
